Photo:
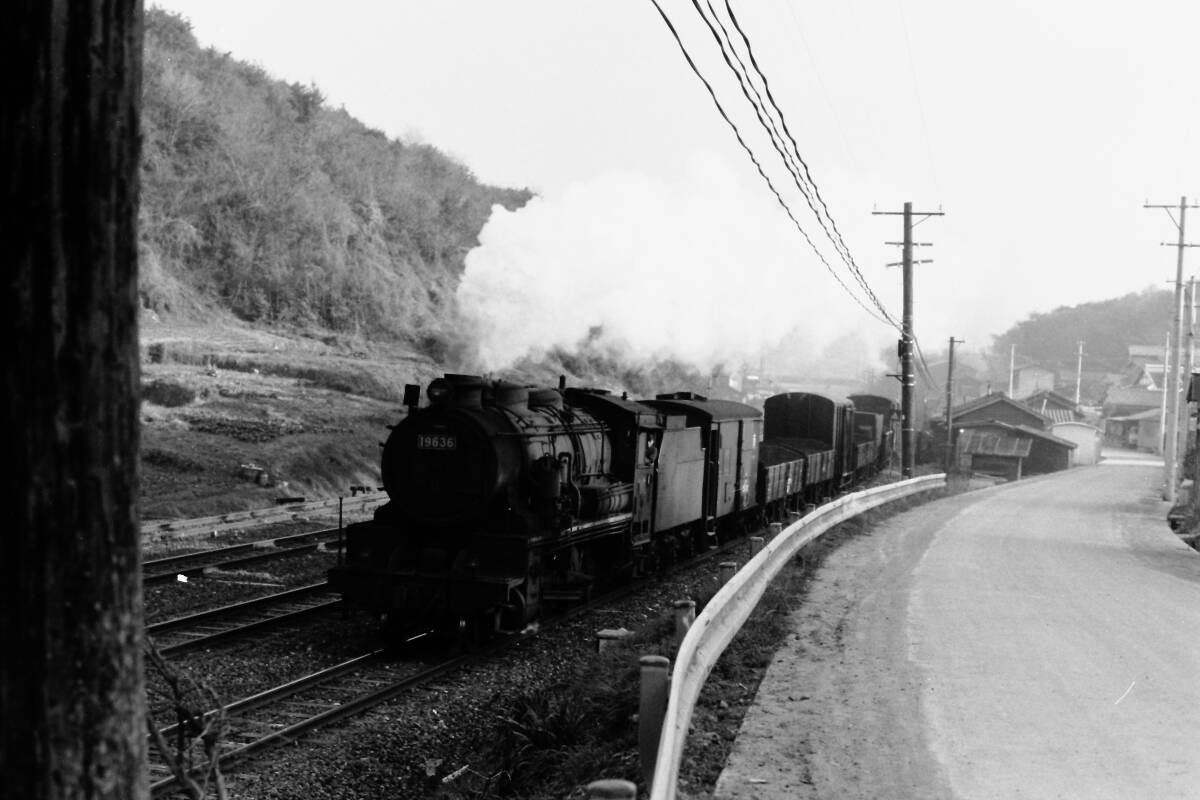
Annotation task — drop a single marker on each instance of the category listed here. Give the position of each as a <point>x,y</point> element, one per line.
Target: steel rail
<point>258,604</point>
<point>242,554</point>
<point>233,549</point>
<point>336,712</point>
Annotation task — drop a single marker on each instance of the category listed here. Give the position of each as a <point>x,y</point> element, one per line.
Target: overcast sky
<point>1039,128</point>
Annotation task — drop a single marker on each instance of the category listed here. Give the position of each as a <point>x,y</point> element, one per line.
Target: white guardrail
<point>180,528</point>
<point>729,608</point>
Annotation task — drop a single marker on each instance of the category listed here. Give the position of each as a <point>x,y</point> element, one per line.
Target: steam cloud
<point>702,271</point>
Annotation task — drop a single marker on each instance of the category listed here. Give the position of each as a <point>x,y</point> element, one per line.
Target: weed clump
<point>167,394</point>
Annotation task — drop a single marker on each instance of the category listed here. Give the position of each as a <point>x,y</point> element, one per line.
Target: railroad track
<point>294,709</point>
<point>195,564</point>
<point>174,636</point>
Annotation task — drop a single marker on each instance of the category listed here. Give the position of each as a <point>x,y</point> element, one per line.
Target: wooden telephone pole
<point>1171,377</point>
<point>1078,373</point>
<point>950,405</point>
<point>907,340</point>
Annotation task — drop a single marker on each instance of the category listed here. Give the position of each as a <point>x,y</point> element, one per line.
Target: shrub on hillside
<point>168,394</point>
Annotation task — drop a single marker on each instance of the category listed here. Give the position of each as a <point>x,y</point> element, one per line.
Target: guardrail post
<point>652,707</point>
<point>776,528</point>
<point>728,568</point>
<point>756,545</point>
<point>608,636</point>
<point>612,790</point>
<point>685,615</point>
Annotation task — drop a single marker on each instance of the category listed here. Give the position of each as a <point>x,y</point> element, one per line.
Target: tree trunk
<point>71,686</point>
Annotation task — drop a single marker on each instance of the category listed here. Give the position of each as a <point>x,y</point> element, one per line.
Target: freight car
<point>504,499</point>
<point>887,413</point>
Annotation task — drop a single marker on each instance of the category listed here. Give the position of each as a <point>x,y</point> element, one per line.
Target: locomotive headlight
<point>439,391</point>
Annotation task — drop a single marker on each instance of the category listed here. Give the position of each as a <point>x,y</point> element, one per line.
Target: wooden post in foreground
<point>71,630</point>
<point>652,707</point>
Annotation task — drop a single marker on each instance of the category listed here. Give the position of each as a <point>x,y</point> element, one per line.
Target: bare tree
<point>71,682</point>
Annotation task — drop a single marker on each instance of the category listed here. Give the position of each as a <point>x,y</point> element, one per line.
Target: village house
<point>1028,379</point>
<point>998,435</point>
<point>1053,405</point>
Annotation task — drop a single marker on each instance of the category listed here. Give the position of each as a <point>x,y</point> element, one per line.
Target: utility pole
<point>1162,414</point>
<point>1189,363</point>
<point>907,378</point>
<point>1078,374</point>
<point>1171,376</point>
<point>950,406</point>
<point>1012,364</point>
<point>1189,355</point>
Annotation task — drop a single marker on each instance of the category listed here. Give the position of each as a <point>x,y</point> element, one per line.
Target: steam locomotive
<point>504,499</point>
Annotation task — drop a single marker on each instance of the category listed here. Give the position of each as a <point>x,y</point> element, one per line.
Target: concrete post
<point>609,636</point>
<point>652,707</point>
<point>685,615</point>
<point>776,528</point>
<point>756,545</point>
<point>728,568</point>
<point>612,790</point>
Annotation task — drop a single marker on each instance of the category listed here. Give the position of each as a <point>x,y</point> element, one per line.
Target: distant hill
<point>1106,328</point>
<point>259,199</point>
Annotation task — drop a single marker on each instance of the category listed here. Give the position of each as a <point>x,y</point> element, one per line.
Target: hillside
<point>1106,328</point>
<point>259,199</point>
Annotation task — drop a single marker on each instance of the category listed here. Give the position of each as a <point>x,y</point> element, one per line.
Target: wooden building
<point>1028,379</point>
<point>1001,408</point>
<point>1133,418</point>
<point>999,448</point>
<point>1001,436</point>
<point>1053,405</point>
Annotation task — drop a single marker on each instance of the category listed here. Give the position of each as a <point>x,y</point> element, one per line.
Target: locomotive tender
<point>505,498</point>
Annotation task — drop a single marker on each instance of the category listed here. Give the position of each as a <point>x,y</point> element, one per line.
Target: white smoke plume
<point>703,270</point>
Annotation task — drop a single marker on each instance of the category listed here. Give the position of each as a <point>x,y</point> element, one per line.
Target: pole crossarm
<point>1172,207</point>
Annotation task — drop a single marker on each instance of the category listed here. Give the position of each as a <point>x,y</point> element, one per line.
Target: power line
<point>836,236</point>
<point>749,152</point>
<point>791,157</point>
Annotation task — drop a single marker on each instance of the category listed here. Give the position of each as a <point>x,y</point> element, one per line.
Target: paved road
<point>1039,640</point>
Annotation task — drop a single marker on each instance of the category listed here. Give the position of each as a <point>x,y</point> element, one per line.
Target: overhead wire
<point>835,236</point>
<point>926,373</point>
<point>792,157</point>
<point>758,166</point>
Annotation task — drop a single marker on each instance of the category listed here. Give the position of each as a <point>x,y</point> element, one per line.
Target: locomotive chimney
<point>562,383</point>
<point>412,396</point>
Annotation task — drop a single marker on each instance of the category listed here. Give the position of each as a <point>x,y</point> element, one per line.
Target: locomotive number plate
<point>436,441</point>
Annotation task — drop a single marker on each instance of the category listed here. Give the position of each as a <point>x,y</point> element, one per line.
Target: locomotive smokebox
<point>452,463</point>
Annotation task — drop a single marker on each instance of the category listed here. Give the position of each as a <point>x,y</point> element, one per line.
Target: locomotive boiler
<point>500,496</point>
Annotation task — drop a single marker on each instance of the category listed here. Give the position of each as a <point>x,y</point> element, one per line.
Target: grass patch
<point>379,379</point>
